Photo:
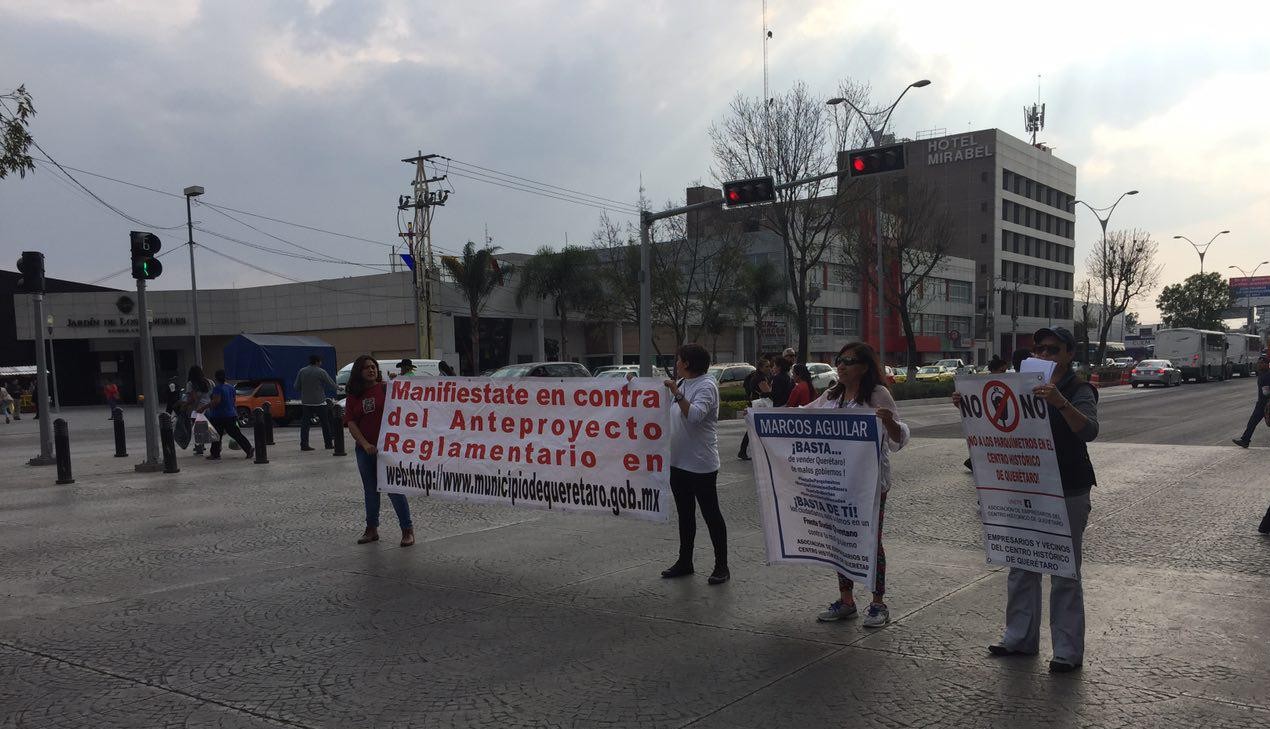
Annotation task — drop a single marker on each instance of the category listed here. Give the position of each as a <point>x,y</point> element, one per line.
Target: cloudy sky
<point>301,110</point>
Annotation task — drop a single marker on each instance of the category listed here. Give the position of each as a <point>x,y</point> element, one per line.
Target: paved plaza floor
<point>233,595</point>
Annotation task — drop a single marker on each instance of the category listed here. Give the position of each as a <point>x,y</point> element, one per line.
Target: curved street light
<point>1103,219</point>
<point>1248,296</point>
<point>1201,250</point>
<point>876,135</point>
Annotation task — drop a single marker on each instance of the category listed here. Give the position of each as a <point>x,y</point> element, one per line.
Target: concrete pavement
<point>232,595</point>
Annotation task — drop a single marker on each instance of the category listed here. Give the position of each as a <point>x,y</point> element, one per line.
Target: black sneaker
<point>307,448</point>
<point>1240,442</point>
<point>719,576</point>
<point>1057,666</point>
<point>678,569</point>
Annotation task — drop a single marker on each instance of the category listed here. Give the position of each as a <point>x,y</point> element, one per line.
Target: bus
<point>1200,354</point>
<point>1242,351</point>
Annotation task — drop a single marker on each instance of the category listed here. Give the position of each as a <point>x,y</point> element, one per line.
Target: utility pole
<point>420,241</point>
<point>191,192</point>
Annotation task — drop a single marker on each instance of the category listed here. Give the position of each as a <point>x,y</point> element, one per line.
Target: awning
<point>20,371</point>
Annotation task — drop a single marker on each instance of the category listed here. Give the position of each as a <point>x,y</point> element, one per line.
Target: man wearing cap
<point>1260,411</point>
<point>313,382</point>
<point>405,367</point>
<point>1073,416</point>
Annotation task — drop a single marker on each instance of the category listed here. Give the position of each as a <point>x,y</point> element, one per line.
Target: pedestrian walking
<point>6,403</point>
<point>1072,405</point>
<point>862,384</point>
<point>111,390</point>
<point>780,384</point>
<point>803,392</point>
<point>15,392</point>
<point>751,384</point>
<point>363,416</point>
<point>173,396</point>
<point>222,413</point>
<point>198,397</point>
<point>694,460</point>
<point>1261,410</point>
<point>314,383</point>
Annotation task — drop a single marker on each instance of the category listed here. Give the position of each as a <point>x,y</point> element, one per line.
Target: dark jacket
<point>1074,466</point>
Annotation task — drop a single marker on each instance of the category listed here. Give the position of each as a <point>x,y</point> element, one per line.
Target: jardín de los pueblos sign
<point>955,149</point>
<point>124,322</point>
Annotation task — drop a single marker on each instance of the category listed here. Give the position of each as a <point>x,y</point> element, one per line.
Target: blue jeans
<point>366,467</point>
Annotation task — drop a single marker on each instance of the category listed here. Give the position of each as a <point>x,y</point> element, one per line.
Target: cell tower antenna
<point>1034,115</point>
<point>767,34</point>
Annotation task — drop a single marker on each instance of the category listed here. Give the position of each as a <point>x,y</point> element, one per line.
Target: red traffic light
<point>878,159</point>
<point>749,192</point>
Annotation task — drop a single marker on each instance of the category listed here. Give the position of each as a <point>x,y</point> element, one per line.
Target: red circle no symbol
<point>1001,406</point>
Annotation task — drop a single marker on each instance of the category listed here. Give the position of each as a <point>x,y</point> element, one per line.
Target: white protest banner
<point>1016,473</point>
<point>817,475</point>
<point>571,444</point>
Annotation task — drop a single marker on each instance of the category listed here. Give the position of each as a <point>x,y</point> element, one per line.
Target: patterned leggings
<point>879,586</point>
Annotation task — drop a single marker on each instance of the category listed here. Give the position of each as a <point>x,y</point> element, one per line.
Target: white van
<point>1198,353</point>
<point>1242,351</point>
<point>388,370</point>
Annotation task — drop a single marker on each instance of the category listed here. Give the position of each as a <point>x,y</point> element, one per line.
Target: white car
<point>388,370</point>
<point>823,376</point>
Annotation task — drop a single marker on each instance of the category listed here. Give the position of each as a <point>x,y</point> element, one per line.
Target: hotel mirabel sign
<point>956,149</point>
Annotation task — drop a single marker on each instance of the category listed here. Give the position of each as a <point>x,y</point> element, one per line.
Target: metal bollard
<point>62,448</point>
<point>167,444</point>
<point>258,434</point>
<point>337,415</point>
<point>268,423</point>
<point>121,444</point>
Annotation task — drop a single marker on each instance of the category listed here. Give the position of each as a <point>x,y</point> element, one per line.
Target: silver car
<point>1155,371</point>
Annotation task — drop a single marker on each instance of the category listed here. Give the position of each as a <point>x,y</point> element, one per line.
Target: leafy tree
<point>1125,262</point>
<point>14,156</point>
<point>760,292</point>
<point>1131,322</point>
<point>476,274</point>
<point>1197,302</point>
<point>700,257</point>
<point>565,277</point>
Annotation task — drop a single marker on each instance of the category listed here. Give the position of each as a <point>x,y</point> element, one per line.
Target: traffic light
<point>31,266</point>
<point>145,246</point>
<point>872,161</point>
<point>749,192</point>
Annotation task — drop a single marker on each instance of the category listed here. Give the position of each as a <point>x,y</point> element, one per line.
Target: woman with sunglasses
<point>861,384</point>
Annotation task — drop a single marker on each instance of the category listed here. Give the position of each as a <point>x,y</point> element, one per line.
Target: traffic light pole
<point>646,220</point>
<point>152,461</point>
<point>42,386</point>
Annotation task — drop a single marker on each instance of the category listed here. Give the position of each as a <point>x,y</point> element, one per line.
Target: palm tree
<point>567,277</point>
<point>476,274</point>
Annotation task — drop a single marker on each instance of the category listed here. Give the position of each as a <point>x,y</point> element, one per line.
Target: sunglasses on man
<point>1050,349</point>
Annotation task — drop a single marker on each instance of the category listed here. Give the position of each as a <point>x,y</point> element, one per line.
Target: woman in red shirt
<point>363,412</point>
<point>803,392</point>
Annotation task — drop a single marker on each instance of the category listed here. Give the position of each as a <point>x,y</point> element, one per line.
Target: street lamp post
<point>191,192</point>
<point>876,135</point>
<point>1248,296</point>
<point>1201,250</point>
<point>1102,221</point>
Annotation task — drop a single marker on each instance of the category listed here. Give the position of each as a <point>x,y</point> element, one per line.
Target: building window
<point>959,291</point>
<point>959,324</point>
<point>844,322</point>
<point>1005,179</point>
<point>1005,240</point>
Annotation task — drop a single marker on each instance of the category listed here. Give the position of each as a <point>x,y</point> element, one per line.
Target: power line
<point>618,203</point>
<point>97,197</point>
<point>535,191</point>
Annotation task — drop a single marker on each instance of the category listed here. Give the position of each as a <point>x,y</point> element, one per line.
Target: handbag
<point>182,431</point>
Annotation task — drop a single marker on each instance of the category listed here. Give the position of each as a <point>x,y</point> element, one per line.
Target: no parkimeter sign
<point>1001,406</point>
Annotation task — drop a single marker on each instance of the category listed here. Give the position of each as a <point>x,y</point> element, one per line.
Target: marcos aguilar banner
<point>1016,473</point>
<point>817,477</point>
<point>573,445</point>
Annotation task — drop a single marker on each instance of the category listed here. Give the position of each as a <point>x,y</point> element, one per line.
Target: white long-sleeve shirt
<point>694,438</point>
<point>881,399</point>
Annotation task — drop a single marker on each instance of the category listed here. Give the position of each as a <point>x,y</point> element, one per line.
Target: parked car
<point>934,373</point>
<point>542,369</point>
<point>731,378</point>
<point>252,394</point>
<point>388,370</point>
<point>1123,361</point>
<point>823,376</point>
<point>897,374</point>
<point>1155,371</point>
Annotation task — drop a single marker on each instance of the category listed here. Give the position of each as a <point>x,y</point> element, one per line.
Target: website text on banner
<point>817,475</point>
<point>570,444</point>
<point>1016,473</point>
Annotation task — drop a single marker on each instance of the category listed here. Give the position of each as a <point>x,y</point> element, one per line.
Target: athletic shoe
<point>876,616</point>
<point>838,611</point>
<point>1240,442</point>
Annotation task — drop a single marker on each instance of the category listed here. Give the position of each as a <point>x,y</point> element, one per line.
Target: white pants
<point>1067,600</point>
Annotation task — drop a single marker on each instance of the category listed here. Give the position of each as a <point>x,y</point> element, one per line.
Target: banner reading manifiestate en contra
<point>570,444</point>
